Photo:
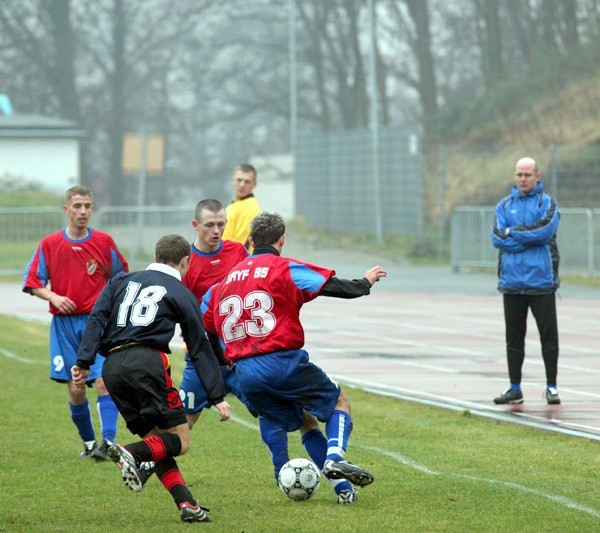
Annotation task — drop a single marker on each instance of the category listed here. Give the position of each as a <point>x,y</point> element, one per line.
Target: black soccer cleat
<point>146,469</point>
<point>88,449</point>
<point>345,470</point>
<point>100,453</point>
<point>193,513</point>
<point>347,497</point>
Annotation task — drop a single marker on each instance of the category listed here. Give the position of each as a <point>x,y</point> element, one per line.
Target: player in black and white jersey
<point>131,324</point>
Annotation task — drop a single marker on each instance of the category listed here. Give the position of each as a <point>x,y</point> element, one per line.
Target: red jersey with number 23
<point>256,308</point>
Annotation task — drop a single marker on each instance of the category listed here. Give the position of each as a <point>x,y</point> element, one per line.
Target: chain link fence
<point>340,188</point>
<point>578,240</point>
<point>134,229</point>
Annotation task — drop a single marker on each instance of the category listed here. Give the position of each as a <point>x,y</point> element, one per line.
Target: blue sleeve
<point>305,278</point>
<point>206,299</point>
<point>500,240</point>
<point>116,263</point>
<point>544,229</point>
<point>42,269</point>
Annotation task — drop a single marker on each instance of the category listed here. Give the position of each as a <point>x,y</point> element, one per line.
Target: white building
<point>40,150</point>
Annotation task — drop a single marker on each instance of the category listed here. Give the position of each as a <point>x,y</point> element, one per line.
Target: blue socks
<point>276,440</point>
<point>108,413</point>
<point>82,418</point>
<point>515,386</point>
<point>338,429</point>
<point>315,444</point>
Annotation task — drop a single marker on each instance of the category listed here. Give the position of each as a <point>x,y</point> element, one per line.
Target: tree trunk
<point>426,84</point>
<point>117,111</point>
<point>571,28</point>
<point>63,73</point>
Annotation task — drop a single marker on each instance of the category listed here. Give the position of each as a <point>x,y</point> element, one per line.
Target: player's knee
<point>184,448</point>
<point>101,387</point>
<point>192,419</point>
<point>343,403</point>
<point>309,422</point>
<point>76,396</point>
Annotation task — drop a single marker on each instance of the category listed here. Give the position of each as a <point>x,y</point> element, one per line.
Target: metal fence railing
<point>134,229</point>
<point>578,239</point>
<point>137,229</point>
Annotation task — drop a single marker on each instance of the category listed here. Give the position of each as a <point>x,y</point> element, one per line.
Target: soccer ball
<point>299,479</point>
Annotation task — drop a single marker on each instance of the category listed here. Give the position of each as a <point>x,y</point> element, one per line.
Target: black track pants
<point>543,307</point>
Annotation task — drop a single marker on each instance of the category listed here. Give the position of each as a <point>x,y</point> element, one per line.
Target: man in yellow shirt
<point>244,208</point>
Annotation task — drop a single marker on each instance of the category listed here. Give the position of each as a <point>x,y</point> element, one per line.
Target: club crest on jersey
<point>91,266</point>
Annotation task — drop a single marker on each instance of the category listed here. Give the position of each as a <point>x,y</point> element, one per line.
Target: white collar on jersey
<point>161,267</point>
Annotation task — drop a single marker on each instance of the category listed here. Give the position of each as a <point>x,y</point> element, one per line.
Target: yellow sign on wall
<point>132,153</point>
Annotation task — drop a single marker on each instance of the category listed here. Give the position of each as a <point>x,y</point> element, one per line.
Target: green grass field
<point>435,470</point>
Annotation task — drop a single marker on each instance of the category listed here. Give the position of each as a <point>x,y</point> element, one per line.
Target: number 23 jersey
<point>256,308</point>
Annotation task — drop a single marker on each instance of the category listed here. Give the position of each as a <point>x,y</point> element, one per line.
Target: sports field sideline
<point>434,336</point>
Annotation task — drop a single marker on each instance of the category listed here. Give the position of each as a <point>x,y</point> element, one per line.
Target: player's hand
<point>80,376</point>
<point>65,305</point>
<point>224,410</point>
<point>374,274</point>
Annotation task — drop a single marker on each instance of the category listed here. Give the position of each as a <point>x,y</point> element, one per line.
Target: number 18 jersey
<point>256,308</point>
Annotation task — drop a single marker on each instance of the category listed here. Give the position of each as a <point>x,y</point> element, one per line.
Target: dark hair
<point>210,204</point>
<point>267,228</point>
<point>171,249</point>
<point>246,167</point>
<point>77,190</point>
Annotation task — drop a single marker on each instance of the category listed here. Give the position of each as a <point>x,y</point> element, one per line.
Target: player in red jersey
<point>256,310</point>
<point>76,262</point>
<point>210,260</point>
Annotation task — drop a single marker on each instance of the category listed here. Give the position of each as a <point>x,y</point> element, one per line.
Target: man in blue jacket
<point>525,235</point>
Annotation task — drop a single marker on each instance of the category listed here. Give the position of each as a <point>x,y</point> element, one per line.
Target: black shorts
<point>139,382</point>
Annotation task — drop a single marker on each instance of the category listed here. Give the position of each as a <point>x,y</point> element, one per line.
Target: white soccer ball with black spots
<point>299,479</point>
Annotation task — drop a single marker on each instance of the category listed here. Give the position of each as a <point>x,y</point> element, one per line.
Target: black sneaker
<point>509,396</point>
<point>128,466</point>
<point>193,513</point>
<point>100,454</point>
<point>88,449</point>
<point>346,470</point>
<point>551,395</point>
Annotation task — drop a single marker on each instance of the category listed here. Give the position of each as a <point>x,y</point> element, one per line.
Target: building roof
<point>25,125</point>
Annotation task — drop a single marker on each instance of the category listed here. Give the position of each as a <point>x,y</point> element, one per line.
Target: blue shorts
<point>193,395</point>
<point>280,385</point>
<point>66,332</point>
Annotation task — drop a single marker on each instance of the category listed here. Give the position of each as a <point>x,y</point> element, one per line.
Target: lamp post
<point>375,125</point>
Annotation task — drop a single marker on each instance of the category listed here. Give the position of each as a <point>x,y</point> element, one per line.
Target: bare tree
<point>42,34</point>
<point>491,42</point>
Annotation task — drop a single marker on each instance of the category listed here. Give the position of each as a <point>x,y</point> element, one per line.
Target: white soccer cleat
<point>126,463</point>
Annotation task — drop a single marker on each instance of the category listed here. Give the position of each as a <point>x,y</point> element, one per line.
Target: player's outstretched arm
<point>353,288</point>
<point>374,274</point>
<point>224,410</point>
